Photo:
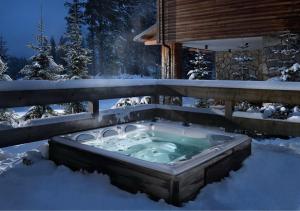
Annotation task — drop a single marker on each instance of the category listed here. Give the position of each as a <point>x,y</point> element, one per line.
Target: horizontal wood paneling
<point>187,20</point>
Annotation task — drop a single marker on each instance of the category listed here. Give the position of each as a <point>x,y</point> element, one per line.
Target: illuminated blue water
<point>153,146</point>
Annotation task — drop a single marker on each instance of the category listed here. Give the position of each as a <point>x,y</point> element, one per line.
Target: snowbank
<point>268,180</point>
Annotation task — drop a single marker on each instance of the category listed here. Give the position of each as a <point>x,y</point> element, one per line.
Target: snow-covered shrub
<point>74,108</point>
<point>291,74</point>
<point>295,111</point>
<point>124,102</point>
<point>146,100</point>
<point>204,103</point>
<point>247,107</point>
<point>38,112</point>
<point>9,118</point>
<point>275,111</point>
<point>3,68</point>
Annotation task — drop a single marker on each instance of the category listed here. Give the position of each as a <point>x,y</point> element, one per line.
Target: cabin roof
<point>148,36</point>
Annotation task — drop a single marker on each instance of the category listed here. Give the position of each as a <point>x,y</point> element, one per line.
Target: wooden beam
<point>229,108</point>
<point>93,107</point>
<point>172,67</point>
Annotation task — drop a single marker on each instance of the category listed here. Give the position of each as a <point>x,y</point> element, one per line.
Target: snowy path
<point>268,180</point>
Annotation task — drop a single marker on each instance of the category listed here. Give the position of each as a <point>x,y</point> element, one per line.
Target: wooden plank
<point>229,108</point>
<point>233,94</point>
<point>124,175</point>
<point>45,97</point>
<point>204,20</point>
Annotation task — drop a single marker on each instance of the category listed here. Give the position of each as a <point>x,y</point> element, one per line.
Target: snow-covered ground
<point>268,180</point>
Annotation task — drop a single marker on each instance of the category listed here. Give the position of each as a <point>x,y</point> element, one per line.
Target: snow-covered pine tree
<point>200,69</point>
<point>77,57</point>
<point>53,51</point>
<point>42,67</point>
<point>3,68</point>
<point>3,49</point>
<point>291,68</point>
<point>7,118</point>
<point>282,56</point>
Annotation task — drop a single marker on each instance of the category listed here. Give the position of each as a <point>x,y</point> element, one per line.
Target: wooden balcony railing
<point>26,93</point>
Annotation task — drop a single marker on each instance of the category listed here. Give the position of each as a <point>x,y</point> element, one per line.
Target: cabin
<point>223,28</point>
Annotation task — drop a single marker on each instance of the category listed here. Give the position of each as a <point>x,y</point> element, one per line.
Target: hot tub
<point>167,160</point>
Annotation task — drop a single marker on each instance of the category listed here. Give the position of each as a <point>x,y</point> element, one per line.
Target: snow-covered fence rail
<point>26,93</point>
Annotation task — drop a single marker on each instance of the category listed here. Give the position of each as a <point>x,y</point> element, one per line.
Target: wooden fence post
<point>229,108</point>
<point>93,107</point>
<point>155,99</point>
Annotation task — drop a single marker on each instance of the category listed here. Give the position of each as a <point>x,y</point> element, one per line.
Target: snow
<point>22,85</point>
<point>7,86</point>
<point>261,85</point>
<point>268,180</point>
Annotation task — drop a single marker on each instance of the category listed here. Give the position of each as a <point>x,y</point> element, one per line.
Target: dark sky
<point>19,20</point>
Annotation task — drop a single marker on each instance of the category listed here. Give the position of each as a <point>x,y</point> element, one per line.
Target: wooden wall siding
<point>187,20</point>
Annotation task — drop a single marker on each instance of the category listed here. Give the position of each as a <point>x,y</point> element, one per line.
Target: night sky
<point>19,20</point>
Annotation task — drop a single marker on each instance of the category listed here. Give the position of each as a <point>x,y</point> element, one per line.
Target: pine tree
<point>53,49</point>
<point>201,70</point>
<point>290,70</point>
<point>108,20</point>
<point>61,51</point>
<point>3,68</point>
<point>3,49</point>
<point>7,117</point>
<point>42,67</point>
<point>77,57</point>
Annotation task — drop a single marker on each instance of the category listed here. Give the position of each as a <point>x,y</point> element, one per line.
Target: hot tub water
<point>148,144</point>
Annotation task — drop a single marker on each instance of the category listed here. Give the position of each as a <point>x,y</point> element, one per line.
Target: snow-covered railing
<point>26,93</point>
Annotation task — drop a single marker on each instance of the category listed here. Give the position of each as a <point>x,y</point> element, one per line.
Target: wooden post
<point>93,107</point>
<point>175,70</point>
<point>172,68</point>
<point>155,99</point>
<point>229,108</point>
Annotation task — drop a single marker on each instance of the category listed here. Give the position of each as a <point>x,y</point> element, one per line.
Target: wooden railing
<point>26,93</point>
